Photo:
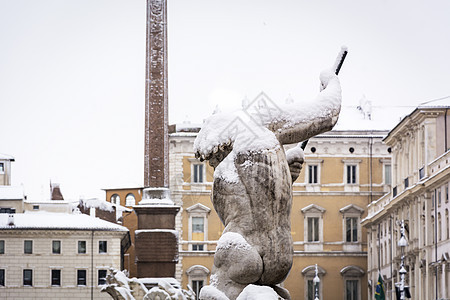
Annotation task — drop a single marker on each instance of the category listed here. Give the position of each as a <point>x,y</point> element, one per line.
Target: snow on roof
<point>97,203</point>
<point>441,102</point>
<point>47,220</point>
<point>6,157</point>
<point>8,192</point>
<point>381,117</point>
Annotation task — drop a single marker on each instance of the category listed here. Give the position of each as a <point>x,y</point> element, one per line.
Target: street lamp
<point>402,243</point>
<point>316,282</point>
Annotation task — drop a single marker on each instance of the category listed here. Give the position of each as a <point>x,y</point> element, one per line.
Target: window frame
<point>197,273</point>
<point>79,271</point>
<point>25,250</point>
<point>2,277</point>
<point>102,247</point>
<point>57,271</point>
<point>78,247</point>
<point>114,197</point>
<point>348,163</point>
<point>351,211</point>
<point>308,276</point>
<point>128,199</point>
<point>198,211</point>
<point>353,223</point>
<point>31,277</point>
<point>313,211</point>
<point>53,246</point>
<point>100,279</point>
<point>195,173</point>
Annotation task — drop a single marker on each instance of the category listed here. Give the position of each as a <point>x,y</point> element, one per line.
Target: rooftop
<point>57,221</point>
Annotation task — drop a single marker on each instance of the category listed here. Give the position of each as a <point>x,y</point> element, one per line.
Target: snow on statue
<point>252,191</point>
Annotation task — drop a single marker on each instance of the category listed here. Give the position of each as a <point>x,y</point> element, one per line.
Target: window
<point>351,233</point>
<point>56,277</point>
<point>102,247</point>
<point>28,277</point>
<point>198,226</point>
<point>198,173</point>
<point>115,199</point>
<point>197,276</point>
<point>439,196</point>
<point>2,277</point>
<point>351,228</point>
<point>130,200</point>
<point>446,193</point>
<point>351,174</point>
<point>35,207</point>
<point>2,168</point>
<point>387,174</point>
<point>101,277</point>
<point>351,290</point>
<point>56,247</point>
<point>197,247</point>
<point>196,287</point>
<point>313,229</point>
<point>28,247</point>
<point>352,276</point>
<point>313,174</point>
<point>81,247</point>
<point>2,247</point>
<point>312,289</point>
<point>81,277</point>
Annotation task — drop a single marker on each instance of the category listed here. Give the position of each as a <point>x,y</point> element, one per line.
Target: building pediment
<point>352,209</point>
<point>311,270</point>
<point>198,208</point>
<point>313,208</point>
<point>352,271</point>
<point>197,270</point>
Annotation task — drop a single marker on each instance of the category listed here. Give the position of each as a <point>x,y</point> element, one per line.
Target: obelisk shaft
<point>156,159</point>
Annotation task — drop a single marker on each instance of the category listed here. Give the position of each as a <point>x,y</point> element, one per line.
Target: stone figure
<point>252,190</point>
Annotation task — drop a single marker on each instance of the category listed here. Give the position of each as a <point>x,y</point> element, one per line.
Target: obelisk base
<point>156,242</point>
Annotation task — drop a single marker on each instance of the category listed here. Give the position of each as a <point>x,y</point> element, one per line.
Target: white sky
<point>72,72</point>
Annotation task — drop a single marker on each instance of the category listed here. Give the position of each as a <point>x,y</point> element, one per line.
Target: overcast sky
<point>72,72</point>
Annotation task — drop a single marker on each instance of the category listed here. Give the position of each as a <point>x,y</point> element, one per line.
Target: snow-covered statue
<point>252,191</point>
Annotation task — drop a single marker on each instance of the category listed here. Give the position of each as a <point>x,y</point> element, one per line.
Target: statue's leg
<point>236,264</point>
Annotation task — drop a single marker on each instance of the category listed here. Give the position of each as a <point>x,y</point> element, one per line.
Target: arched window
<point>352,282</point>
<point>115,199</point>
<point>130,200</point>
<point>310,288</point>
<point>197,276</point>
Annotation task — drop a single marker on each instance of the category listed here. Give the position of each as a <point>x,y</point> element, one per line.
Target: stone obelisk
<point>156,239</point>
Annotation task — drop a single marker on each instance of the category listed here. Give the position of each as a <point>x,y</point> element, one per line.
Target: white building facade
<point>420,197</point>
<point>58,256</point>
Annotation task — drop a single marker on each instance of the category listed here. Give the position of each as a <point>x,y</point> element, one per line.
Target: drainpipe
<point>445,129</point>
<point>435,240</point>
<point>92,265</point>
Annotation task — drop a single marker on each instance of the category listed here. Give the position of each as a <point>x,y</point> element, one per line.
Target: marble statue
<point>252,190</point>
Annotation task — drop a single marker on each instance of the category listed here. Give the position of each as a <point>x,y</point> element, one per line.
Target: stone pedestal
<point>156,242</point>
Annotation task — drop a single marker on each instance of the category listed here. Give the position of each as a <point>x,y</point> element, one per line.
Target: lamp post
<point>402,243</point>
<point>316,282</point>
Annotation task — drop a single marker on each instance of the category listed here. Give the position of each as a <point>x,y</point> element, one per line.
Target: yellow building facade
<point>343,172</point>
